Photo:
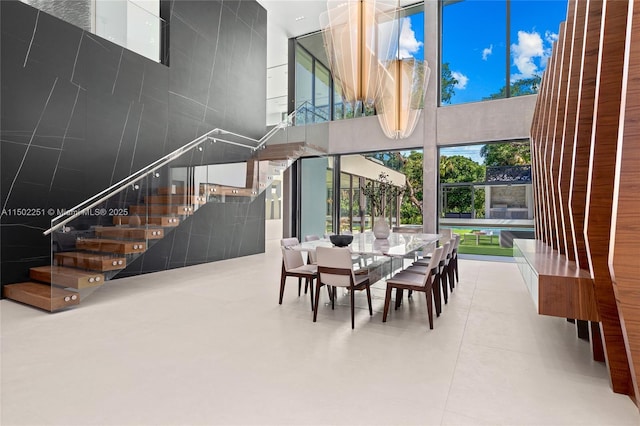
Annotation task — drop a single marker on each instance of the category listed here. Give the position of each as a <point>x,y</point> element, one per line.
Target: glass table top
<point>398,243</point>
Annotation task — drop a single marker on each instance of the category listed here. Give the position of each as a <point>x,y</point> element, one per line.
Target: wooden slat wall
<point>549,203</point>
<point>537,147</point>
<point>585,141</point>
<point>577,10</point>
<point>600,183</point>
<point>584,125</point>
<point>624,243</point>
<point>558,141</point>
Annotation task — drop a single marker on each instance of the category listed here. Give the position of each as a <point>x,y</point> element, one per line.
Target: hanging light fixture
<point>402,96</point>
<point>361,39</point>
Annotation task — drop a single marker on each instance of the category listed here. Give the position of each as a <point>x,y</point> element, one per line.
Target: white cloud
<point>462,80</point>
<point>525,52</point>
<point>486,52</point>
<point>409,45</point>
<point>550,37</point>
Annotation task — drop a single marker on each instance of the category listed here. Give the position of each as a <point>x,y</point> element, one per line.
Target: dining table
<point>380,257</point>
<point>398,244</point>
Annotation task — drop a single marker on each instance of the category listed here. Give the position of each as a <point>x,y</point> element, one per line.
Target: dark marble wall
<point>78,113</point>
<point>210,234</point>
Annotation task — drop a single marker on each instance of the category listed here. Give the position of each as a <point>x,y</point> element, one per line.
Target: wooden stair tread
<point>41,295</point>
<point>209,189</point>
<point>280,151</point>
<point>163,221</point>
<point>154,209</point>
<point>175,199</point>
<point>111,246</point>
<point>92,261</point>
<point>141,233</point>
<point>66,277</point>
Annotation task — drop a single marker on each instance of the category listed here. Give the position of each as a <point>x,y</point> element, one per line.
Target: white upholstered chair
<point>336,270</point>
<point>293,266</point>
<point>405,280</point>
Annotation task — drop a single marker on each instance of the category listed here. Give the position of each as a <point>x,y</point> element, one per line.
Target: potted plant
<point>381,193</point>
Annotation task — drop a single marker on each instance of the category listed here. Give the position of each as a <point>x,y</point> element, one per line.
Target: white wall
<point>501,119</point>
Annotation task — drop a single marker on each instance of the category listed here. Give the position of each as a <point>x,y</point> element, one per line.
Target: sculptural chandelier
<point>362,42</point>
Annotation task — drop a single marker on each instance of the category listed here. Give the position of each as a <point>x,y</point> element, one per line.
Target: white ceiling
<point>299,17</point>
<point>295,18</point>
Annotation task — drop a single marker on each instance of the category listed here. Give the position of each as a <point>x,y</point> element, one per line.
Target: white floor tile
<point>210,344</point>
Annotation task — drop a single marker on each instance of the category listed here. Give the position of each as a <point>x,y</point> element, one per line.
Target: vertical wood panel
<point>538,152</point>
<point>584,125</point>
<point>548,145</point>
<point>564,182</point>
<point>601,181</point>
<point>625,244</point>
<point>558,127</point>
<point>533,137</point>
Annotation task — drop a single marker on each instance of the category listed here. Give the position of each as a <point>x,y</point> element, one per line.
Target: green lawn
<point>484,246</point>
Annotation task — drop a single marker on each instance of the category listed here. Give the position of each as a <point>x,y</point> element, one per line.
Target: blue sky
<point>470,151</point>
<point>474,42</point>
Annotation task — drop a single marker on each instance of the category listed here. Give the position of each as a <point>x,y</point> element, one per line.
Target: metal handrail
<point>124,183</point>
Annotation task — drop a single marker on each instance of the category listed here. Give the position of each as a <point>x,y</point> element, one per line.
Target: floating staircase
<point>93,256</point>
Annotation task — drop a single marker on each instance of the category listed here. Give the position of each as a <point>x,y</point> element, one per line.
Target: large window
<point>321,95</point>
<point>486,181</point>
<point>493,49</point>
<point>313,88</point>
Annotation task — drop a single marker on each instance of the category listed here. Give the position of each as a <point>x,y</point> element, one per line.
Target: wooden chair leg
<point>283,277</point>
<point>315,305</point>
<point>429,307</point>
<point>333,299</point>
<point>452,283</point>
<point>455,265</point>
<point>387,302</point>
<point>444,285</point>
<point>309,284</point>
<point>436,294</point>
<point>369,301</point>
<point>353,313</point>
<point>299,285</point>
<point>399,293</point>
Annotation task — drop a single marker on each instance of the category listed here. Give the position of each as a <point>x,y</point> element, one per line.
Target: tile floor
<point>210,345</point>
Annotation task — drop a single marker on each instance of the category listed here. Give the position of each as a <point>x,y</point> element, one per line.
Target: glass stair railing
<point>96,240</point>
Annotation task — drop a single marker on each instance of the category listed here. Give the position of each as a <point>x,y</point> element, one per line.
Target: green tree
<point>411,207</point>
<point>447,84</point>
<point>410,164</point>
<point>460,169</point>
<point>506,154</point>
<point>524,86</point>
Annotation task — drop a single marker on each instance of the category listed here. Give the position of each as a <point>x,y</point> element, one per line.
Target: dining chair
<point>442,272</point>
<point>290,242</point>
<point>454,256</point>
<point>335,269</point>
<point>448,264</point>
<point>423,268</point>
<point>293,266</point>
<point>404,280</point>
